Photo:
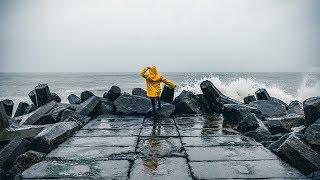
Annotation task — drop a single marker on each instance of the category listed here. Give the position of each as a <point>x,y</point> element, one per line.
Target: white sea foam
<point>241,87</point>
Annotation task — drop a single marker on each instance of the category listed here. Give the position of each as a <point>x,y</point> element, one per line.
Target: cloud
<point>178,35</point>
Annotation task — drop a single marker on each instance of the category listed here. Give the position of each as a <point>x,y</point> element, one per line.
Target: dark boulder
<point>69,115</point>
<point>312,133</point>
<point>131,104</point>
<point>42,115</point>
<point>21,109</point>
<point>262,94</point>
<point>4,118</point>
<point>26,160</point>
<point>91,107</point>
<point>249,122</point>
<point>203,104</point>
<point>52,136</point>
<point>233,113</point>
<point>113,93</point>
<point>139,92</point>
<point>260,134</point>
<point>8,106</point>
<point>57,112</point>
<point>269,108</point>
<point>167,94</point>
<point>311,108</point>
<point>85,95</point>
<point>187,103</point>
<point>284,123</point>
<point>300,155</point>
<point>74,99</point>
<point>295,107</point>
<point>280,102</point>
<point>107,106</point>
<point>166,110</point>
<point>56,97</point>
<point>27,132</point>
<point>11,151</point>
<point>32,96</point>
<point>43,94</point>
<point>249,99</point>
<point>214,97</point>
<point>30,109</point>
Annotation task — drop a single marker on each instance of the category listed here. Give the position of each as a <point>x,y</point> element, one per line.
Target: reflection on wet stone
<point>161,130</point>
<point>158,147</point>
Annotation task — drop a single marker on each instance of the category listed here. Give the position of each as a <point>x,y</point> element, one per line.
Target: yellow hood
<point>153,73</point>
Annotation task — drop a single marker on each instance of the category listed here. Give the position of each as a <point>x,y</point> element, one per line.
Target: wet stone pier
<point>183,147</point>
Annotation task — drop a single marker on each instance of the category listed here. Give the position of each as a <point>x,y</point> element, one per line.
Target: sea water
<point>237,85</point>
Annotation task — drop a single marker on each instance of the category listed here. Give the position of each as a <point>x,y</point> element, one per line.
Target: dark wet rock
<point>11,151</point>
<point>32,96</point>
<point>132,104</point>
<point>276,137</point>
<point>187,103</point>
<point>167,94</point>
<point>91,107</point>
<point>85,95</point>
<point>52,136</point>
<point>166,110</point>
<point>139,92</point>
<point>275,145</point>
<point>284,123</point>
<point>311,109</point>
<point>214,97</point>
<point>26,160</point>
<point>314,175</point>
<point>30,109</point>
<point>249,99</point>
<point>203,104</point>
<point>21,109</point>
<point>262,94</point>
<point>107,106</point>
<point>312,133</point>
<point>4,118</point>
<point>260,134</point>
<point>280,102</point>
<point>2,174</point>
<point>27,132</point>
<point>43,94</point>
<point>41,115</point>
<point>69,115</point>
<point>295,107</point>
<point>249,122</point>
<point>113,93</point>
<point>300,155</point>
<point>233,113</point>
<point>8,106</point>
<point>266,143</point>
<point>74,99</point>
<point>56,97</point>
<point>269,108</point>
<point>57,112</point>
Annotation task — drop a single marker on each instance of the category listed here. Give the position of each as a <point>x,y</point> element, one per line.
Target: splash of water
<point>242,87</point>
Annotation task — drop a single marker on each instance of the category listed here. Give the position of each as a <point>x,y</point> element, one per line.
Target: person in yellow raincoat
<point>153,80</point>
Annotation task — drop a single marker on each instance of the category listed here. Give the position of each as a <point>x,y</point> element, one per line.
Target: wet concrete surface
<point>183,147</point>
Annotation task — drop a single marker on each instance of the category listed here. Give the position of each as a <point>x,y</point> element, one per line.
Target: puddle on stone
<point>157,146</point>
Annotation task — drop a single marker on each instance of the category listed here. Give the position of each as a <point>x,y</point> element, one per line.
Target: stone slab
<point>159,121</point>
<point>88,153</point>
<point>159,147</point>
<point>78,169</point>
<point>113,124</point>
<point>229,153</point>
<point>100,141</point>
<point>163,130</point>
<point>205,141</point>
<point>107,132</point>
<point>160,168</point>
<point>244,169</point>
<point>207,132</point>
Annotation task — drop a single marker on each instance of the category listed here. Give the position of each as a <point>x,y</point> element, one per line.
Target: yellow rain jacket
<point>153,80</point>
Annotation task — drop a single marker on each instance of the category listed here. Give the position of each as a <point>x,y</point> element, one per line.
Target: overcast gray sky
<point>176,35</point>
